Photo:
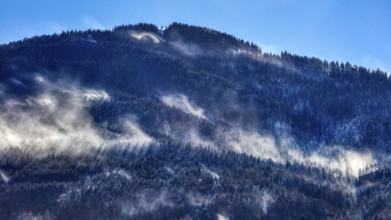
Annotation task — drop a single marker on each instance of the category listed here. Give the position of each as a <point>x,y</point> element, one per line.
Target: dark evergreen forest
<point>185,122</point>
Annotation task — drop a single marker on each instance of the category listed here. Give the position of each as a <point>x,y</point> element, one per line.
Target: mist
<point>181,102</point>
<point>4,176</point>
<point>140,35</point>
<point>280,148</point>
<point>56,119</point>
<point>188,49</point>
<point>264,200</point>
<point>252,143</point>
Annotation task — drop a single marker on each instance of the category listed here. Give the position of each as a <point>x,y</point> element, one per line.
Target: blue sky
<point>358,31</point>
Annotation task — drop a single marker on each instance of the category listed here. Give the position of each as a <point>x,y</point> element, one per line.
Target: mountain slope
<point>140,122</point>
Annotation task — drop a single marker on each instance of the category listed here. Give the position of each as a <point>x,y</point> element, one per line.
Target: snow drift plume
<point>133,135</point>
<point>57,120</point>
<point>341,159</point>
<point>181,102</point>
<point>189,135</point>
<point>252,143</point>
<point>4,176</point>
<point>188,49</point>
<point>221,217</point>
<point>45,123</point>
<point>264,200</point>
<point>147,36</point>
<point>149,201</point>
<point>95,95</point>
<point>198,199</point>
<point>280,148</point>
<point>346,161</point>
<point>212,174</point>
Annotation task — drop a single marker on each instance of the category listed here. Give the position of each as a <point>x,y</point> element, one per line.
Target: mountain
<point>185,122</point>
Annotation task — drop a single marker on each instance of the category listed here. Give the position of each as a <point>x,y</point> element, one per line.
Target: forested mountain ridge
<point>188,122</point>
